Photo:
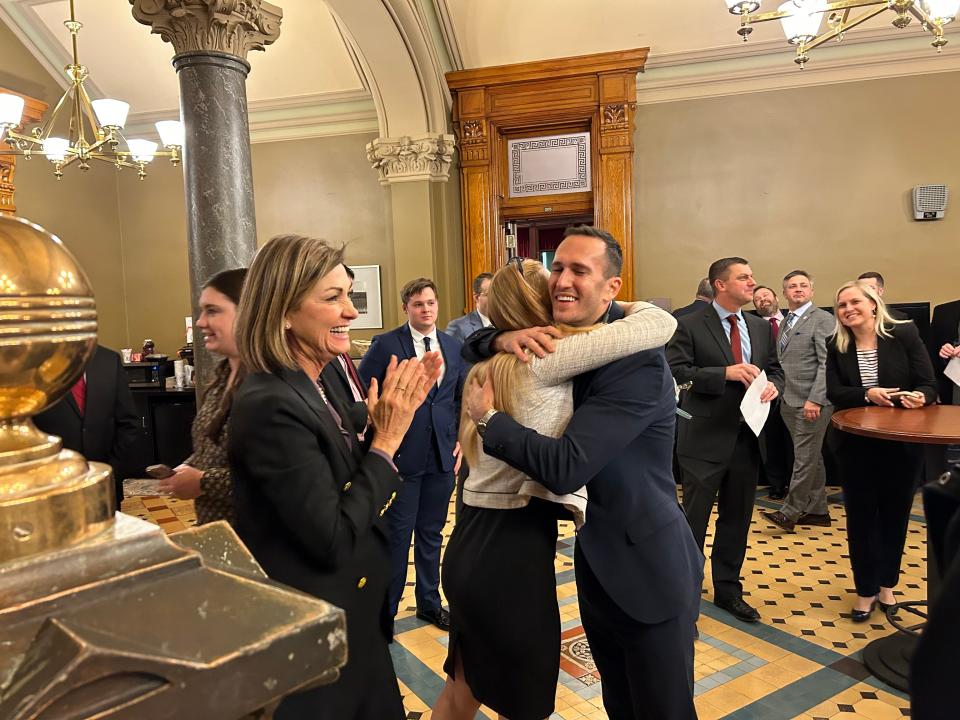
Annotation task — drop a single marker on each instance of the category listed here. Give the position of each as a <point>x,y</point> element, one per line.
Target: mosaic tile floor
<point>801,661</point>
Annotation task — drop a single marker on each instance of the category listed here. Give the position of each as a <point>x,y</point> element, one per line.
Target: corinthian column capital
<point>408,159</point>
<point>228,26</point>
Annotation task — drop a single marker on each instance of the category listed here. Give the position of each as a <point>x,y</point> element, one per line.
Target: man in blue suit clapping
<point>429,454</point>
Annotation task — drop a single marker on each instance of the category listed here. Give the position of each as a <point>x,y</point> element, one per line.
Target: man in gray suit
<point>806,411</point>
<point>466,325</point>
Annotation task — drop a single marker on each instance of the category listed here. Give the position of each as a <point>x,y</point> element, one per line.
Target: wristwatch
<point>484,421</point>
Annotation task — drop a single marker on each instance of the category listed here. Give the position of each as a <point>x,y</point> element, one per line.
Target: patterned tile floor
<point>801,661</point>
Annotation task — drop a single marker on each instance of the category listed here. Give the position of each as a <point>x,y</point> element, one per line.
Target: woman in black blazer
<point>310,497</point>
<point>873,359</point>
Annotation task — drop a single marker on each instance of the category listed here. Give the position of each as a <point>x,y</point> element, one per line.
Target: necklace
<point>323,395</point>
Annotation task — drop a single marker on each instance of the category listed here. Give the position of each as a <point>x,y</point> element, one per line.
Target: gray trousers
<point>807,493</point>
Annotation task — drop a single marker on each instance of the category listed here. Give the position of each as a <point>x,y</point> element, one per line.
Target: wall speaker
<point>929,202</point>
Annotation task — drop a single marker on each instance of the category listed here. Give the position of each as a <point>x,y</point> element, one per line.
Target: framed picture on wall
<point>366,296</point>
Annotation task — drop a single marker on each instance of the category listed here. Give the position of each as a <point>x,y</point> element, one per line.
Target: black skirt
<point>499,578</point>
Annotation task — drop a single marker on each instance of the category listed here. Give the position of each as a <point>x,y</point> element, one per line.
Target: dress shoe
<point>774,494</point>
<point>814,519</point>
<point>780,520</point>
<point>437,616</point>
<point>860,616</point>
<point>739,609</point>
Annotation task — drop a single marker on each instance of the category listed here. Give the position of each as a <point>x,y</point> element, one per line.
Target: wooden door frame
<point>491,105</point>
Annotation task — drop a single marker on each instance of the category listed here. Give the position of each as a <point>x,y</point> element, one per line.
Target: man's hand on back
<point>538,340</point>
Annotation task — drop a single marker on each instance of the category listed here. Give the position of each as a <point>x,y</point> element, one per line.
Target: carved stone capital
<point>408,159</point>
<point>228,26</point>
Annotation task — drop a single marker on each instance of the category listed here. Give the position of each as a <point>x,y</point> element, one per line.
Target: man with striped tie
<point>806,411</point>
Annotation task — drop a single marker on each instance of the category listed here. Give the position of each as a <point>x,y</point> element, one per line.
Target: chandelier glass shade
<point>89,129</point>
<point>802,19</point>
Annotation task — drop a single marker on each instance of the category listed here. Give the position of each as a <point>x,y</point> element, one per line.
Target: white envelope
<point>755,412</point>
<point>952,370</point>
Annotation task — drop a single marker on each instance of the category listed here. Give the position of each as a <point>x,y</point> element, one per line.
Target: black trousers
<point>646,671</point>
<point>777,451</point>
<point>732,486</point>
<point>878,485</point>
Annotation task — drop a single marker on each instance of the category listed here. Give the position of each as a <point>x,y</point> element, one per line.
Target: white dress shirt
<point>419,347</point>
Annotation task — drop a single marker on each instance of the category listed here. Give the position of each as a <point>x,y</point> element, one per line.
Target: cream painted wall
<point>322,187</point>
<point>817,178</point>
<point>81,208</point>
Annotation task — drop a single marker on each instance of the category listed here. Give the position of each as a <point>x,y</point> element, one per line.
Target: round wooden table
<point>888,658</point>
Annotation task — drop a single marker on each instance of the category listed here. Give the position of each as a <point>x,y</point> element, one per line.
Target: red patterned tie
<point>79,391</point>
<point>775,326</point>
<point>735,339</point>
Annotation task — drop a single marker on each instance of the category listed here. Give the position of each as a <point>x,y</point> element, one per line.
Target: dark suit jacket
<point>464,326</point>
<point>902,362</point>
<point>108,429</point>
<point>691,308</point>
<point>944,329</point>
<point>699,352</point>
<point>308,506</point>
<point>437,420</point>
<point>619,442</point>
<point>335,378</point>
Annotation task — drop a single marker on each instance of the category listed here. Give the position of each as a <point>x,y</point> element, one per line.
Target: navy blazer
<point>438,418</point>
<point>464,326</point>
<point>620,443</point>
<point>699,353</point>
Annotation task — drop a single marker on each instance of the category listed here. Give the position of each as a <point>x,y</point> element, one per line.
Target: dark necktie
<point>735,339</point>
<point>426,344</point>
<point>775,326</point>
<point>79,391</point>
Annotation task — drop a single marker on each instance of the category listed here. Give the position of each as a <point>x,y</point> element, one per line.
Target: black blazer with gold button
<point>309,506</point>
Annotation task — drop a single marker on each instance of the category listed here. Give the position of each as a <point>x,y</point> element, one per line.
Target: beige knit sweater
<point>545,403</point>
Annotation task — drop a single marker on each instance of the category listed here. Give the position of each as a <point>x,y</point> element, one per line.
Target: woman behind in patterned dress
<point>205,476</point>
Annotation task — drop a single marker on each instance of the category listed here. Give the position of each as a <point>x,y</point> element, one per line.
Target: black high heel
<point>884,606</point>
<point>859,616</point>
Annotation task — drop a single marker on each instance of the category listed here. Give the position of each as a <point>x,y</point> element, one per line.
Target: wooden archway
<point>590,93</point>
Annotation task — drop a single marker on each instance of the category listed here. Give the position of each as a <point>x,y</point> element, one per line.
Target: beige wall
<point>81,208</point>
<point>817,178</point>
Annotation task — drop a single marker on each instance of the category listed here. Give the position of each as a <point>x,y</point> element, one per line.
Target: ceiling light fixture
<point>94,130</point>
<point>801,19</point>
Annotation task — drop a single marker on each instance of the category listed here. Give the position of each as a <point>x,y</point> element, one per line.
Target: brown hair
<point>415,287</point>
<point>284,270</point>
<point>228,283</point>
<point>516,300</point>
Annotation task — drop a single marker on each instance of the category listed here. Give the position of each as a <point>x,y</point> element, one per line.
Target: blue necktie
<point>787,324</point>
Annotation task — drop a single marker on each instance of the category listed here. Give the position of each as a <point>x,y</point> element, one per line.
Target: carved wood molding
<point>33,111</point>
<point>595,93</point>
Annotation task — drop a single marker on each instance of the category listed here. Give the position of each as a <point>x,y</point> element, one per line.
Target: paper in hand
<point>952,370</point>
<point>755,412</point>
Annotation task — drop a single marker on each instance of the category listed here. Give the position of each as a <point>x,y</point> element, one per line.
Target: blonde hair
<point>882,318</point>
<point>515,300</point>
<point>284,270</point>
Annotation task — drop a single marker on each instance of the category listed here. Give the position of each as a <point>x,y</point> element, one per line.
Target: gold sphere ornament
<point>49,497</point>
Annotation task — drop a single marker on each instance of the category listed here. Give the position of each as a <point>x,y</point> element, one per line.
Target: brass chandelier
<point>802,19</point>
<point>94,131</point>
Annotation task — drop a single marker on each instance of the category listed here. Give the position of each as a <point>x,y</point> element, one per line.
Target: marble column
<point>424,218</point>
<point>211,39</point>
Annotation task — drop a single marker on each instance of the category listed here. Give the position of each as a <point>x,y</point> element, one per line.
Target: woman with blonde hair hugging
<point>498,570</point>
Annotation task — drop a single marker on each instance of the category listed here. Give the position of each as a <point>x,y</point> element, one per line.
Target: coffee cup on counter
<point>136,357</point>
<point>179,374</point>
<point>188,374</point>
<point>127,355</point>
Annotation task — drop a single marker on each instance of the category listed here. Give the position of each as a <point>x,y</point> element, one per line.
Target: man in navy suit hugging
<point>429,454</point>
